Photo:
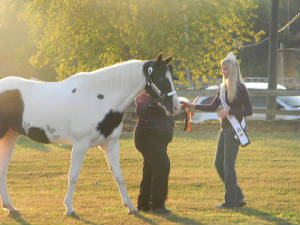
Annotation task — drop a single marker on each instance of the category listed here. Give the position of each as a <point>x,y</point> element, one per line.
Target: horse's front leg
<point>78,152</point>
<point>112,153</point>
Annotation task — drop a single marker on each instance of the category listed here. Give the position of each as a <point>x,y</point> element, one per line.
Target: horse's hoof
<point>71,214</point>
<point>133,212</point>
<point>14,213</point>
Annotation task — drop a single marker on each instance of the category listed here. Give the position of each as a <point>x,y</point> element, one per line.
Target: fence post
<point>272,85</point>
<point>282,61</point>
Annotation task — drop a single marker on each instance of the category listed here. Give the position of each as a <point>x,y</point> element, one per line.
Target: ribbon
<point>187,124</point>
<point>238,128</point>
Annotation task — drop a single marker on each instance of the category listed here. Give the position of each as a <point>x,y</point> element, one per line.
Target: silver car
<point>291,103</point>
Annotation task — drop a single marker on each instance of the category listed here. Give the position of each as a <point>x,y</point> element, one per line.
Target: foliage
<point>16,45</point>
<point>255,58</point>
<point>71,36</point>
<point>76,35</point>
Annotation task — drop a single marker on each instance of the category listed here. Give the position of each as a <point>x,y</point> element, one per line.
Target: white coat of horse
<point>84,110</point>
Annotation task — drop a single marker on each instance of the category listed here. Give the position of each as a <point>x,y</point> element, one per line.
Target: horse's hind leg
<point>112,153</point>
<point>7,144</point>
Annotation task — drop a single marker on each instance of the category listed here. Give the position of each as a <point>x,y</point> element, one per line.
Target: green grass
<point>268,172</point>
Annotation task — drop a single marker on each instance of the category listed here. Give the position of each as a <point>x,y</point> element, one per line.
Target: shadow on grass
<point>27,143</point>
<point>18,218</point>
<point>264,216</point>
<point>171,217</point>
<point>181,219</point>
<point>145,219</point>
<point>85,221</point>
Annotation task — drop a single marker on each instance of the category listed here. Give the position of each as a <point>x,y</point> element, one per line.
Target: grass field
<point>268,172</point>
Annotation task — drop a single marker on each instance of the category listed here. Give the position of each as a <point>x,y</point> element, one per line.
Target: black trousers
<point>227,151</point>
<point>154,183</point>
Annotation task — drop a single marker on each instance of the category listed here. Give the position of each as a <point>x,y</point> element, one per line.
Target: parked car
<point>291,103</point>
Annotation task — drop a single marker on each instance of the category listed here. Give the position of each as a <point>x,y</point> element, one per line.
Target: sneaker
<point>241,203</point>
<point>225,206</point>
<point>143,208</point>
<point>161,210</point>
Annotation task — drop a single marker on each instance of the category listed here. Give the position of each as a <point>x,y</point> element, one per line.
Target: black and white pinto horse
<point>84,110</point>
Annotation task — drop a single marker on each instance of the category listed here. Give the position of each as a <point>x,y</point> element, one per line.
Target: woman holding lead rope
<point>233,95</point>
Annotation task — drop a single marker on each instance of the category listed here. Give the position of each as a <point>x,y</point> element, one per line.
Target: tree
<point>83,35</point>
<point>255,58</point>
<point>16,47</point>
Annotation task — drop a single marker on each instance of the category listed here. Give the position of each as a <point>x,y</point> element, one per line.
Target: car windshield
<point>293,101</point>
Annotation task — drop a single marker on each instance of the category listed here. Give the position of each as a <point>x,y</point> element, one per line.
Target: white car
<point>291,103</point>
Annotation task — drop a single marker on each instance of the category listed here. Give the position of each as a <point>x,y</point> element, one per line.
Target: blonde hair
<point>234,77</point>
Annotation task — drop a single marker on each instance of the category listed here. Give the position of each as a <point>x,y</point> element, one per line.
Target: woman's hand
<point>187,104</point>
<point>223,113</point>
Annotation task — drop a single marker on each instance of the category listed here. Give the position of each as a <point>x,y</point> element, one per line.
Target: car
<point>291,103</point>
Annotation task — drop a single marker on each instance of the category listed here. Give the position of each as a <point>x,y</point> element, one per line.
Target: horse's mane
<point>112,76</point>
<point>107,72</point>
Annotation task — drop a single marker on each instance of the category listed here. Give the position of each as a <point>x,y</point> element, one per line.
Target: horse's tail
<point>3,129</point>
<point>3,122</point>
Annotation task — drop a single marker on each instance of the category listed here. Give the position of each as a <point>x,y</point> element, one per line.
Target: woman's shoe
<point>241,203</point>
<point>161,210</point>
<point>143,208</point>
<point>225,206</point>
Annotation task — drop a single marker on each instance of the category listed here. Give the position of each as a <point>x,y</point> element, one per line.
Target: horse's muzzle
<point>172,105</point>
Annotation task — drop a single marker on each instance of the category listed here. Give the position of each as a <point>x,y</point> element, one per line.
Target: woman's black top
<point>152,117</point>
<point>240,107</point>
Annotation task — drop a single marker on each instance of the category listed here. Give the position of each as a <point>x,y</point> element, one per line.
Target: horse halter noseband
<point>161,96</point>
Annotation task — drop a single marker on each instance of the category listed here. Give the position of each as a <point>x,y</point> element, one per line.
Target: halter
<point>157,91</point>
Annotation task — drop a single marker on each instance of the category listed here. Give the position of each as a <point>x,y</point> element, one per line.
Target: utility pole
<point>288,19</point>
<point>272,69</point>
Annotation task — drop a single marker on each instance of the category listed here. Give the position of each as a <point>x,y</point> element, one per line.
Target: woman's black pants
<point>154,184</point>
<point>227,151</point>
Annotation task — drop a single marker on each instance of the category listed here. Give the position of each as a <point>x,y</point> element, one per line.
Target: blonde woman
<point>238,105</point>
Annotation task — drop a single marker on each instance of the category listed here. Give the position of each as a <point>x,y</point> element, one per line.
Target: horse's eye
<point>150,70</point>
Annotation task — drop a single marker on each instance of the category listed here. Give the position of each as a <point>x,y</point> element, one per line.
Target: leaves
<point>76,35</point>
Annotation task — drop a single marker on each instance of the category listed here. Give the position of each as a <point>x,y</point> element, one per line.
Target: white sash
<point>236,125</point>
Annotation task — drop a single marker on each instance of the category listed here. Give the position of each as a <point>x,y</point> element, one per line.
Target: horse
<point>84,110</point>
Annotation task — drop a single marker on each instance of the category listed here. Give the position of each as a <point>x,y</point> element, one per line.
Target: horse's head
<point>159,83</point>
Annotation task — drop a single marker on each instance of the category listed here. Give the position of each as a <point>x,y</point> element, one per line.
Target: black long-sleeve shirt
<point>152,118</point>
<point>240,107</point>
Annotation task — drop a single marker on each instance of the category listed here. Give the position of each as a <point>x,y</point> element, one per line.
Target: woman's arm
<point>210,107</point>
<point>205,107</point>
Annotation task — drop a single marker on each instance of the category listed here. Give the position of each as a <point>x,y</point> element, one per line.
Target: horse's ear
<point>159,57</point>
<point>167,60</point>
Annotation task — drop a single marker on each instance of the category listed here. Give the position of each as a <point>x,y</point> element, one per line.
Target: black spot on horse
<point>38,134</point>
<point>109,123</point>
<point>100,96</point>
<point>11,112</point>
